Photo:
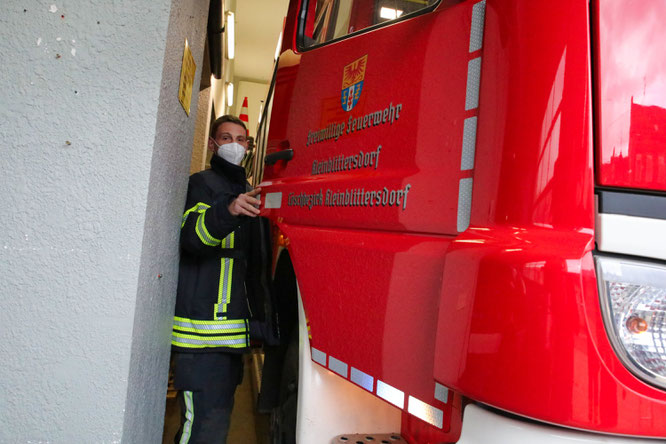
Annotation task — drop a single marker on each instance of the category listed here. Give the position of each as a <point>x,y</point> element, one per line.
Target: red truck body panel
<point>499,305</point>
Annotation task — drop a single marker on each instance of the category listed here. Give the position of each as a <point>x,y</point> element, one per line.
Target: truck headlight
<point>633,303</point>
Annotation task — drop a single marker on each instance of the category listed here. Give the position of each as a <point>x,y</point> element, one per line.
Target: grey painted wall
<point>95,157</point>
<point>166,196</point>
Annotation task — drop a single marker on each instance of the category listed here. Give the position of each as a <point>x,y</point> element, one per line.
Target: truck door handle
<point>287,155</point>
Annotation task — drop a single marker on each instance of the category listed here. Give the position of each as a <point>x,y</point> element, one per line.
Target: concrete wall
<point>95,158</point>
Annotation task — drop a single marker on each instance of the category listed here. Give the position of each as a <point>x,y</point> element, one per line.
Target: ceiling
<point>258,27</point>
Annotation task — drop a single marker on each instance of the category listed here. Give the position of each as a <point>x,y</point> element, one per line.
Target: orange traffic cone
<point>243,115</point>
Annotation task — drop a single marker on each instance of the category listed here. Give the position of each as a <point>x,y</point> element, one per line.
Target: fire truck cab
<point>468,210</point>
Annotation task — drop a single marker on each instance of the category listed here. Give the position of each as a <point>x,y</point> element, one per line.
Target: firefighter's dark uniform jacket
<point>212,308</point>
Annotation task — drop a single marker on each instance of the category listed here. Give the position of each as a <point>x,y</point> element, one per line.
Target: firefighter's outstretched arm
<point>207,219</point>
<point>246,204</point>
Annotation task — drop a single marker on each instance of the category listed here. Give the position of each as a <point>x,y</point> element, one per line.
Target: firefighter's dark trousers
<point>206,384</point>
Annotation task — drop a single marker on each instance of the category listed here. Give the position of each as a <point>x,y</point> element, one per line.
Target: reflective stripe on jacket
<point>212,310</point>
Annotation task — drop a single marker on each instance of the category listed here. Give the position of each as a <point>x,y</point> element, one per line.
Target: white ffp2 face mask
<point>231,152</point>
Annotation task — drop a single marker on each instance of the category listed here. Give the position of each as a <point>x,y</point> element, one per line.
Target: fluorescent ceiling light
<point>390,13</point>
<point>230,94</point>
<point>230,35</point>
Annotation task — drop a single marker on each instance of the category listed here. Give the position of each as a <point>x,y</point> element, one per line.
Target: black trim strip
<point>631,257</point>
<point>632,204</point>
<point>302,17</point>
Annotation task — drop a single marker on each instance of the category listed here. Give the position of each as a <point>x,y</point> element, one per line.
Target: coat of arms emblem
<point>352,82</point>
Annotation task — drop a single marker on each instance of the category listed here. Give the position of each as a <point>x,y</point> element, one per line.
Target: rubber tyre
<point>283,417</point>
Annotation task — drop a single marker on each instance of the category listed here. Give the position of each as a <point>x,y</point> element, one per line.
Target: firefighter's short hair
<point>226,118</point>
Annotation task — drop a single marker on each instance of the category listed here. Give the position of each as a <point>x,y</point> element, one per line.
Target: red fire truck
<point>468,210</point>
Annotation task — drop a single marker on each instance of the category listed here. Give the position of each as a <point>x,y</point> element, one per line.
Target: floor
<point>247,427</point>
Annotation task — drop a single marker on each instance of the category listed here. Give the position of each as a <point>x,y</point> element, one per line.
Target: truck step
<point>365,438</point>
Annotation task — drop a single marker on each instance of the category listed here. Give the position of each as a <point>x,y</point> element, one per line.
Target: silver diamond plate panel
<point>319,357</point>
<point>469,144</point>
<point>337,366</point>
<point>363,379</point>
<point>464,203</point>
<point>391,394</point>
<point>476,31</point>
<point>473,81</point>
<point>426,412</point>
<point>441,393</point>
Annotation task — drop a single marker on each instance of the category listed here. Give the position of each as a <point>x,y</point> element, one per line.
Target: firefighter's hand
<point>245,204</point>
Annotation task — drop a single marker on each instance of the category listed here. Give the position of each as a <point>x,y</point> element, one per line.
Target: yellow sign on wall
<point>187,71</point>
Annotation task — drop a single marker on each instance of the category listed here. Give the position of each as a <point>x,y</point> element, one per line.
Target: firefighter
<point>211,327</point>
